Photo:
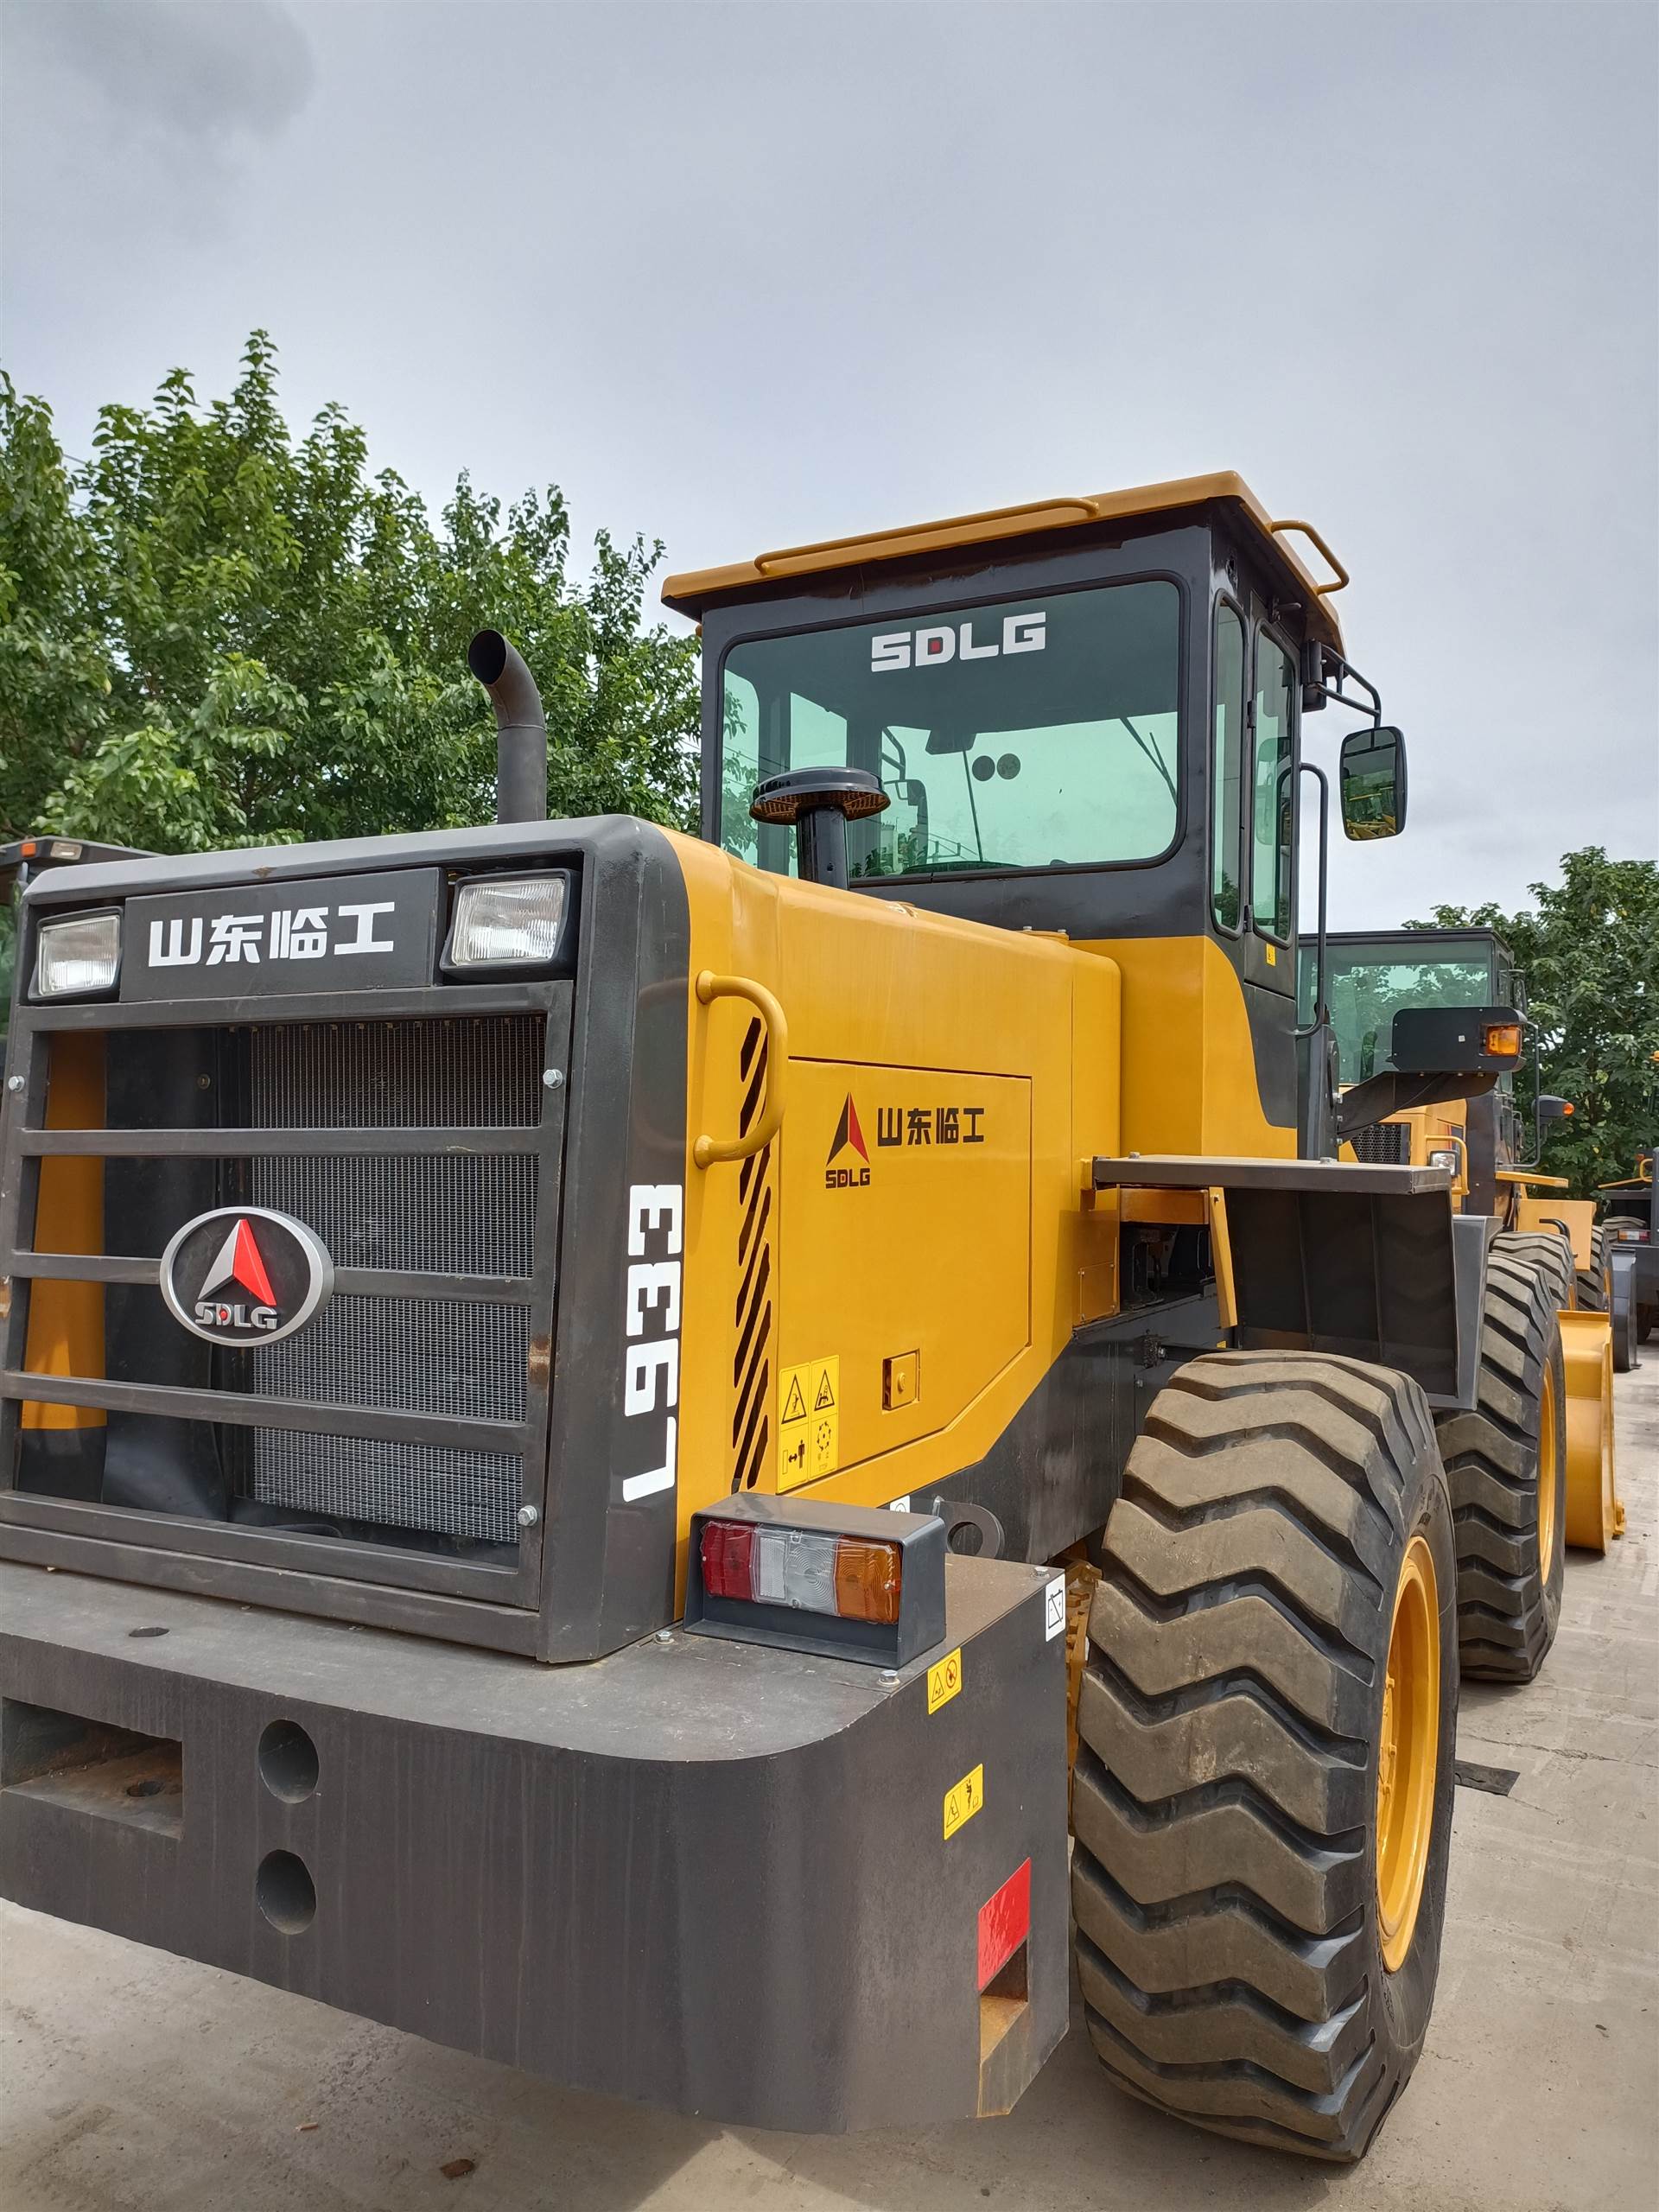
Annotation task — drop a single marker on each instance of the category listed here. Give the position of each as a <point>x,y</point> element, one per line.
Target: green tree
<point>1589,950</point>
<point>212,634</point>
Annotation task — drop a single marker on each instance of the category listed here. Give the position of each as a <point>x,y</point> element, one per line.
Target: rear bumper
<point>700,1873</point>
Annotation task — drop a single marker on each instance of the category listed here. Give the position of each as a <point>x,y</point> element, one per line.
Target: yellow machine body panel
<point>940,1162</point>
<point>1576,1215</point>
<point>1190,1081</point>
<point>899,1267</point>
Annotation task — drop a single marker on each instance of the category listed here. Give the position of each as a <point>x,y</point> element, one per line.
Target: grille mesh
<point>470,1359</point>
<point>440,1213</point>
<point>433,1213</point>
<point>466,1072</point>
<point>1385,1144</point>
<point>407,1485</point>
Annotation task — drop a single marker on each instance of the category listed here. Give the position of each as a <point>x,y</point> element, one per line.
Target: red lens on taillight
<point>727,1559</point>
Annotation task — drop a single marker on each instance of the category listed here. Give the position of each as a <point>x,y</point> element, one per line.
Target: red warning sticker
<point>1004,1923</point>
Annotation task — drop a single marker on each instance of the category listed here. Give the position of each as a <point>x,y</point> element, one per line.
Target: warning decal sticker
<point>964,1801</point>
<point>808,1421</point>
<point>1054,1609</point>
<point>944,1680</point>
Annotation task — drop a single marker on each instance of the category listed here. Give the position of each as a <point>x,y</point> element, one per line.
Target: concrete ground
<point>130,2079</point>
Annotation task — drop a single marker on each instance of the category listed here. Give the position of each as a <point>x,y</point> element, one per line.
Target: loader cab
<point>1371,976</point>
<point>1084,717</point>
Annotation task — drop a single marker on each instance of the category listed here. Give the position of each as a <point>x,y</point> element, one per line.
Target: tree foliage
<point>212,634</point>
<point>1589,950</point>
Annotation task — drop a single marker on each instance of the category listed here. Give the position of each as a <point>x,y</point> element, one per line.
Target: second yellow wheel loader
<point>1531,1465</point>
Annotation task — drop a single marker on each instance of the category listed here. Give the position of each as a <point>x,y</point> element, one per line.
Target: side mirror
<point>1551,1108</point>
<point>1371,776</point>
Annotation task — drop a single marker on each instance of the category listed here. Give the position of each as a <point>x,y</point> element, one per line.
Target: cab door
<point>1269,946</point>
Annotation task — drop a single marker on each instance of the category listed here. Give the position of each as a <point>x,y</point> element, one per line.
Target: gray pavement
<point>130,2079</point>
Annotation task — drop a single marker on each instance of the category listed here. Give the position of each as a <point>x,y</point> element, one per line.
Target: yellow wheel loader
<point>564,1381</point>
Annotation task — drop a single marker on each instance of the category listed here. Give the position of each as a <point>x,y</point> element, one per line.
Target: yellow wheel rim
<point>1409,1755</point>
<point>1546,1475</point>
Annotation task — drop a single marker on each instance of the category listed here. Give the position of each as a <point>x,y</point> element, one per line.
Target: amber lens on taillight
<point>1504,1038</point>
<point>867,1581</point>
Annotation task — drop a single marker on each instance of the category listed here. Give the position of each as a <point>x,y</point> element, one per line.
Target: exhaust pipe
<point>520,729</point>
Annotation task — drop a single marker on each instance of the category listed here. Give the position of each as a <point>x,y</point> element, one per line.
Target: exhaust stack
<point>520,729</point>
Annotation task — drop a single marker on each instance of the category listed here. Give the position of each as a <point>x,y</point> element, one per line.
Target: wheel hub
<point>1546,1456</point>
<point>1407,1752</point>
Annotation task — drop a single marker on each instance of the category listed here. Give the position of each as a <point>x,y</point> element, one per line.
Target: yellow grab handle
<point>709,1150</point>
<point>1308,531</point>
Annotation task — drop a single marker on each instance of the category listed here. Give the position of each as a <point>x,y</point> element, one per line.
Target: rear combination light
<point>844,1575</point>
<point>848,1582</point>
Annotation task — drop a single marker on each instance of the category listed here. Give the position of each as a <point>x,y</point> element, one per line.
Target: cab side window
<point>1226,769</point>
<point>1273,808</point>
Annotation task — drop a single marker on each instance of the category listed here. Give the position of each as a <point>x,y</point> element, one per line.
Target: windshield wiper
<point>1151,753</point>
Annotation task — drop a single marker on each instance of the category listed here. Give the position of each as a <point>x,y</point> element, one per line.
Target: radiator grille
<point>447,1213</point>
<point>464,1072</point>
<point>1385,1144</point>
<point>361,1478</point>
<point>427,1355</point>
<point>429,1213</point>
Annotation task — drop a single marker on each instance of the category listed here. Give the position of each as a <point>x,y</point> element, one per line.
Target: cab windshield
<point>1367,984</point>
<point>1035,733</point>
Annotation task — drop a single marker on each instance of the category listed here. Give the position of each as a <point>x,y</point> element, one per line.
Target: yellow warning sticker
<point>964,1801</point>
<point>808,1421</point>
<point>944,1681</point>
<point>1271,952</point>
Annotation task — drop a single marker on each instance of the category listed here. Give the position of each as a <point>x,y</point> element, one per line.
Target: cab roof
<point>1424,940</point>
<point>689,592</point>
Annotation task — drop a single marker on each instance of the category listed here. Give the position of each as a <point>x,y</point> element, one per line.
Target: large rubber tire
<point>1546,1249</point>
<point>1593,1280</point>
<point>1225,1879</point>
<point>1511,1546</point>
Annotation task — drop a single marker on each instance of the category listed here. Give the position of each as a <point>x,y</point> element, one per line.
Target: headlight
<point>503,921</point>
<point>1447,1159</point>
<point>78,956</point>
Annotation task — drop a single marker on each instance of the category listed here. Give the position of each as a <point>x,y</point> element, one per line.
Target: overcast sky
<point>743,276</point>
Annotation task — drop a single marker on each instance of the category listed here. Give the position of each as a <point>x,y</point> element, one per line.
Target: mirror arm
<point>1323,659</point>
<point>1321,1016</point>
<point>1537,1090</point>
